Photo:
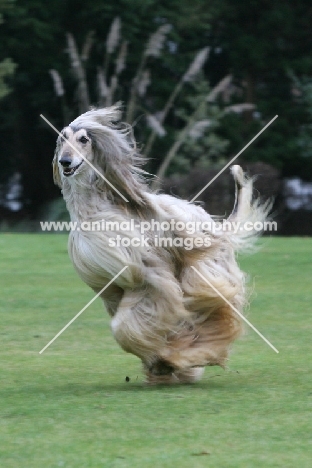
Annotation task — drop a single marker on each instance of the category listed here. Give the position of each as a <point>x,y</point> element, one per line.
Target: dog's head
<point>94,150</point>
<point>73,149</point>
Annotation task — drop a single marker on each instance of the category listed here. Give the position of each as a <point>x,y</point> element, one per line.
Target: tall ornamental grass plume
<point>110,84</point>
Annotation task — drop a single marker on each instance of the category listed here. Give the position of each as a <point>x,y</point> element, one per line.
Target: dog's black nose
<point>66,160</point>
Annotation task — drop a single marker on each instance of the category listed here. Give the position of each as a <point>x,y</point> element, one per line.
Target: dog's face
<point>74,147</point>
<point>95,152</point>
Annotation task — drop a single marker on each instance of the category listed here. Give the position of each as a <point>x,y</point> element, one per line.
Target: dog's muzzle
<point>69,171</point>
<point>65,162</point>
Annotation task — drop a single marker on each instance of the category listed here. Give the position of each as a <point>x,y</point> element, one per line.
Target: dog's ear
<point>56,173</point>
<point>116,158</point>
<point>126,182</point>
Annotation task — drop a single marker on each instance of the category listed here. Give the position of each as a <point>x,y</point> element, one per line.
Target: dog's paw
<point>182,376</point>
<point>160,367</point>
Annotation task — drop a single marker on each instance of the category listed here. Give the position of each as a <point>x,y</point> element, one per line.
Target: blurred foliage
<point>261,40</point>
<point>256,41</point>
<point>7,68</point>
<point>55,210</point>
<point>302,92</point>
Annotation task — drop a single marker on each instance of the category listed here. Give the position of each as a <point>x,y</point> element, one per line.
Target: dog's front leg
<point>137,328</point>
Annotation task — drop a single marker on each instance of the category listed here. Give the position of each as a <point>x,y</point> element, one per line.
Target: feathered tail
<point>249,215</point>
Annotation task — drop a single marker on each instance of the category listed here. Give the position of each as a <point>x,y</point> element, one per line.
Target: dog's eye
<point>83,139</point>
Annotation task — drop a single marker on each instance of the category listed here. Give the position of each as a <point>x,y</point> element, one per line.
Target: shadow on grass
<point>109,389</point>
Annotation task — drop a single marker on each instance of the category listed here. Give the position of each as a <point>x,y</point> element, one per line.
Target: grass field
<point>72,407</point>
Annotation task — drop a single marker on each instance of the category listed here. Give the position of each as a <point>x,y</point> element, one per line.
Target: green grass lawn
<point>72,407</point>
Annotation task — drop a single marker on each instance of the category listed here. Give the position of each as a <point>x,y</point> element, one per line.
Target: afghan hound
<point>168,306</point>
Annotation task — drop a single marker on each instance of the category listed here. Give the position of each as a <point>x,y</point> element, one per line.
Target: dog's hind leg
<point>207,344</point>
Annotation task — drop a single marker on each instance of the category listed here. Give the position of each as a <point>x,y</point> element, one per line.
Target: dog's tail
<point>249,216</point>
